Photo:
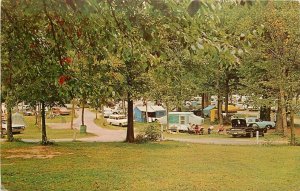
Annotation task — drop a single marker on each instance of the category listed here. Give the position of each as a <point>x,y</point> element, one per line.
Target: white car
<point>120,120</point>
<point>16,128</point>
<point>107,113</point>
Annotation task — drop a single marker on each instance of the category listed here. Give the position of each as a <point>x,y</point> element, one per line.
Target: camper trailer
<point>181,121</point>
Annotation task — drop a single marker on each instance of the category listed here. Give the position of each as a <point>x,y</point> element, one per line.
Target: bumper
<point>237,132</point>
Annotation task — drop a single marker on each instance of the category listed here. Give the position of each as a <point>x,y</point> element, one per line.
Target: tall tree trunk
<point>130,131</point>
<point>202,104</point>
<point>9,133</point>
<point>96,112</point>
<point>283,111</point>
<point>168,119</point>
<point>146,111</point>
<point>278,127</point>
<point>220,116</point>
<point>1,115</point>
<point>206,100</point>
<point>44,133</point>
<point>293,136</point>
<point>82,112</point>
<point>72,113</point>
<point>265,113</point>
<point>102,112</point>
<point>226,96</point>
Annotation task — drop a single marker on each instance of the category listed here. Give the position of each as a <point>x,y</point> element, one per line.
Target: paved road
<point>103,135</point>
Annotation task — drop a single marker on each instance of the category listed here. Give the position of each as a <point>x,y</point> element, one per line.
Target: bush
<point>151,133</point>
<point>140,138</point>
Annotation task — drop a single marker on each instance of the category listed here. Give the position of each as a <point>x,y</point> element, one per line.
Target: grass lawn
<point>60,119</point>
<point>33,132</point>
<point>153,166</point>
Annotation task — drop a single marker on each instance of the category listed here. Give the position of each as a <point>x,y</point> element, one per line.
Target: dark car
<point>240,128</point>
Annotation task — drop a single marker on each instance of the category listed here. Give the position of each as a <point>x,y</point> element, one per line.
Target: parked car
<point>64,111</point>
<point>261,123</point>
<point>16,128</point>
<point>253,108</point>
<point>28,112</point>
<point>120,120</point>
<point>240,128</point>
<point>60,111</point>
<point>107,112</point>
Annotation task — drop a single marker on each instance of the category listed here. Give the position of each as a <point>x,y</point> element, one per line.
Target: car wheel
<point>110,123</point>
<point>265,130</point>
<point>120,124</point>
<point>251,134</point>
<point>268,127</point>
<point>234,136</point>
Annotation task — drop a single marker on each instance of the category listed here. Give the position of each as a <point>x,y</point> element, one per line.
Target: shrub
<point>151,133</point>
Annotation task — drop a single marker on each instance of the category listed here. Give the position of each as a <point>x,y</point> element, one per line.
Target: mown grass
<point>61,119</point>
<point>153,166</point>
<point>34,132</point>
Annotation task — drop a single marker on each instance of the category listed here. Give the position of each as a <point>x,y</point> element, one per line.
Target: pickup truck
<point>240,128</point>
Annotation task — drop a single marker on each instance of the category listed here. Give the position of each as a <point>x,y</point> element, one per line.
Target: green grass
<point>153,166</point>
<point>60,119</point>
<point>33,132</point>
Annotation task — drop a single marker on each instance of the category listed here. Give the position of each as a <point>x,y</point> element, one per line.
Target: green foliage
<point>150,133</point>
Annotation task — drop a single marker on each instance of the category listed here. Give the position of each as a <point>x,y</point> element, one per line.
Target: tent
<point>154,112</point>
<point>206,111</point>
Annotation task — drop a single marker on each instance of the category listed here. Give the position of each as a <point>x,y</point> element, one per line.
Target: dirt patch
<point>41,152</point>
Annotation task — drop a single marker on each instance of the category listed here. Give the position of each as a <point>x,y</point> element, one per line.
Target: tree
<point>276,63</point>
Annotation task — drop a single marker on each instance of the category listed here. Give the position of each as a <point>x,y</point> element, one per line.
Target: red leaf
<point>61,79</point>
<point>68,60</point>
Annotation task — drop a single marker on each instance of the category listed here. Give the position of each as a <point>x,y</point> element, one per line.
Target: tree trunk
<point>283,111</point>
<point>72,113</point>
<point>220,103</point>
<point>293,137</point>
<point>96,112</point>
<point>9,133</point>
<point>1,116</point>
<point>44,133</point>
<point>265,113</point>
<point>82,113</point>
<point>130,131</point>
<point>279,128</point>
<point>205,102</point>
<point>146,112</point>
<point>102,112</point>
<point>168,122</point>
<point>226,96</point>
